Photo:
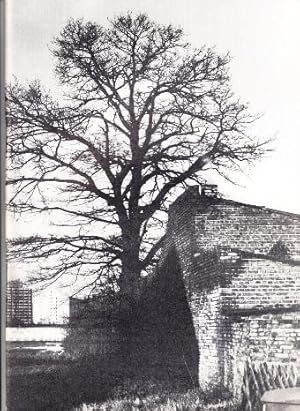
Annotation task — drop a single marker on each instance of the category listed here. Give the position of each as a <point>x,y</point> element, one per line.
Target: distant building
<point>94,309</point>
<point>18,304</point>
<point>47,307</point>
<point>54,314</point>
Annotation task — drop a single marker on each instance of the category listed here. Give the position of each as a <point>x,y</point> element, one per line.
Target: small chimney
<point>209,190</point>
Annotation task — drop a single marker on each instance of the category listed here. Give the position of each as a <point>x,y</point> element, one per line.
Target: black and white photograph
<point>152,217</point>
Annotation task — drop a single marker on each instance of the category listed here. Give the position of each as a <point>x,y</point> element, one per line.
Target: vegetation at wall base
<point>69,385</point>
<point>187,401</point>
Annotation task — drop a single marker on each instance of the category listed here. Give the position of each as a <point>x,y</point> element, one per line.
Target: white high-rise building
<point>48,308</point>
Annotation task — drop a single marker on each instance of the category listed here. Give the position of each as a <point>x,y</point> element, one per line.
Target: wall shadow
<point>168,337</point>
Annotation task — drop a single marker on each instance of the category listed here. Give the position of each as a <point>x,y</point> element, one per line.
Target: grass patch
<point>159,395</point>
<point>48,382</point>
<point>162,400</point>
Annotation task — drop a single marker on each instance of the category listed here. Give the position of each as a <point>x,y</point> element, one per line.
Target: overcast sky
<point>262,36</point>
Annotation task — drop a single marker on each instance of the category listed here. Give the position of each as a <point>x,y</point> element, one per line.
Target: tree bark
<point>131,268</point>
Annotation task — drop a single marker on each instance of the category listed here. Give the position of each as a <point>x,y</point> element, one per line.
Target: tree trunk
<point>130,280</point>
<point>131,270</point>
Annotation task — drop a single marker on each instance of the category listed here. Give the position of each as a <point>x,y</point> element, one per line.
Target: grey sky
<point>262,36</point>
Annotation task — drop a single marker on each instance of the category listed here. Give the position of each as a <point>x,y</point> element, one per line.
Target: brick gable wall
<point>240,265</point>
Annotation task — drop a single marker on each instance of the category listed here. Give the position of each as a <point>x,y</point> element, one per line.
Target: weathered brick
<point>241,265</point>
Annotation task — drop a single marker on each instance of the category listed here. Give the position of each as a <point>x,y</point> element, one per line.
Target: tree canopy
<point>143,113</point>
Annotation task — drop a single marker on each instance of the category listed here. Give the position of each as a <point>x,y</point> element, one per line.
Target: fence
<point>261,377</point>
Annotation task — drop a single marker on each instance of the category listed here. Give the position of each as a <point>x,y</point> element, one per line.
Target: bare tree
<point>143,113</point>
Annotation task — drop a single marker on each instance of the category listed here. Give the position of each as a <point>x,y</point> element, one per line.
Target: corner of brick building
<point>240,266</point>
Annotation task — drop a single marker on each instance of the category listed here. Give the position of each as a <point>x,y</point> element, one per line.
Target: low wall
<point>35,334</point>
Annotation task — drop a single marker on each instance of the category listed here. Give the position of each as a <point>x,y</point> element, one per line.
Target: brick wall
<point>241,271</point>
<point>227,223</point>
<point>262,283</point>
